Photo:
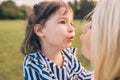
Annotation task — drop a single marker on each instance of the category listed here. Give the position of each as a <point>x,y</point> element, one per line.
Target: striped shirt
<point>39,67</point>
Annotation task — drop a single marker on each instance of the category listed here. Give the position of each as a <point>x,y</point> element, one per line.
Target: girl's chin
<point>66,46</point>
<point>69,45</point>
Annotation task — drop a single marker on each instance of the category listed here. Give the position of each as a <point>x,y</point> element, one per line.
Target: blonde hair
<point>106,40</point>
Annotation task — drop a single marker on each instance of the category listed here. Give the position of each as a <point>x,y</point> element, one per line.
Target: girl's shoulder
<point>34,59</point>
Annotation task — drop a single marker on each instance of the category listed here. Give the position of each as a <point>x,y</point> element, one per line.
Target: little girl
<point>49,34</point>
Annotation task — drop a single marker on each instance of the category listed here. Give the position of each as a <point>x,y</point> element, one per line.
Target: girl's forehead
<point>63,11</point>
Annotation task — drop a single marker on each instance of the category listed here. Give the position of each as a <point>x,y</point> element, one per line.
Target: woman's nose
<point>81,36</point>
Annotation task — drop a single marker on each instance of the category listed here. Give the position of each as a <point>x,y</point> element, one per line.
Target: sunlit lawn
<point>11,59</point>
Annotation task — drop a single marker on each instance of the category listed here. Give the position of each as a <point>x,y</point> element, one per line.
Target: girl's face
<point>85,40</point>
<point>58,30</point>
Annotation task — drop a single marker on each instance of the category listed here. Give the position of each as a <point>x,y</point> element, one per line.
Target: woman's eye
<point>71,24</point>
<point>90,27</point>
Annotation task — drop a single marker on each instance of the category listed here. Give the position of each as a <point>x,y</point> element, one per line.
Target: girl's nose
<point>70,29</point>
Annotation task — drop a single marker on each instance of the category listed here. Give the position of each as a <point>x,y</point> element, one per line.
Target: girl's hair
<point>106,40</point>
<point>40,14</point>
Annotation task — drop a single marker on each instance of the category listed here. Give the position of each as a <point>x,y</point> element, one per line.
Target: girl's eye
<point>62,22</point>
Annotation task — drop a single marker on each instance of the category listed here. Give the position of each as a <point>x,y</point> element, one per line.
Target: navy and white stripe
<point>39,67</point>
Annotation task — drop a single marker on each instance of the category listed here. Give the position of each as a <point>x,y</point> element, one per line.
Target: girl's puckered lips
<point>71,38</point>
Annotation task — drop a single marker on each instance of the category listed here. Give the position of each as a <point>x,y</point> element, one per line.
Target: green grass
<point>11,59</point>
<point>76,43</point>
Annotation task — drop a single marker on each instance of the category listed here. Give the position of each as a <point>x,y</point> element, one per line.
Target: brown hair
<point>40,14</point>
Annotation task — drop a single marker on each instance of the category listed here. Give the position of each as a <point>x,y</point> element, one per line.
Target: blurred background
<point>13,18</point>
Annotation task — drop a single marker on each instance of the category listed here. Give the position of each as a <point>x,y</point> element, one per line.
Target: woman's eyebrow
<point>86,27</point>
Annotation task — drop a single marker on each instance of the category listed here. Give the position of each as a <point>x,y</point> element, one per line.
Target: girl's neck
<point>54,54</point>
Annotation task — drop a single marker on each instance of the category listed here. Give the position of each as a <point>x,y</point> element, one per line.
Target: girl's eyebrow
<point>62,18</point>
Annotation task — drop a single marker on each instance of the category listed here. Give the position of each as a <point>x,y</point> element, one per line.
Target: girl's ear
<point>38,30</point>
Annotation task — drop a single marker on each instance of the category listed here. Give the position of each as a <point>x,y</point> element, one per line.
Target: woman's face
<point>85,40</point>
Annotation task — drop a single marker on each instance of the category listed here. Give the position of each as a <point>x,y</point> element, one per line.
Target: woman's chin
<point>86,54</point>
